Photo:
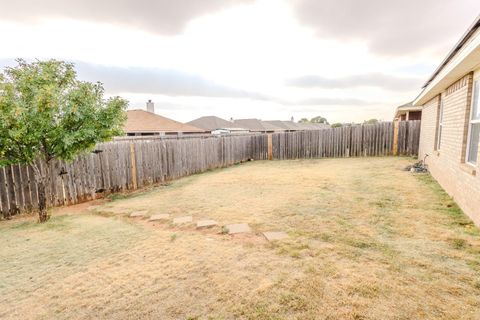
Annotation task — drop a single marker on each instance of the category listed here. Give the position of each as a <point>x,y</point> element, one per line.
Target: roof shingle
<point>256,125</point>
<point>210,123</point>
<point>144,121</point>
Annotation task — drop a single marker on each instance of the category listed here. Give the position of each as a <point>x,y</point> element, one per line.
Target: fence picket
<point>133,163</point>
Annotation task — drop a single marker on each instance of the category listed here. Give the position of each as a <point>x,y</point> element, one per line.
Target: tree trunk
<point>41,174</point>
<point>42,202</point>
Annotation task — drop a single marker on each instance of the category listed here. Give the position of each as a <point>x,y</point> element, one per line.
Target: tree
<point>47,114</point>
<point>371,121</point>
<point>336,125</point>
<point>319,119</point>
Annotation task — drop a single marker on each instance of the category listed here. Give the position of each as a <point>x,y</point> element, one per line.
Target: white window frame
<point>471,121</point>
<point>438,143</point>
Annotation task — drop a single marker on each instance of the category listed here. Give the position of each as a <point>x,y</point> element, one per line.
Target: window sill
<point>468,168</point>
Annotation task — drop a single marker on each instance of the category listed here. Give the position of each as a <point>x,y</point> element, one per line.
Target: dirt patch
<point>84,207</point>
<point>366,240</point>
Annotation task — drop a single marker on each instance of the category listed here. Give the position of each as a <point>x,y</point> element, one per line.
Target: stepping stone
<point>138,214</point>
<point>162,216</point>
<point>181,220</point>
<point>206,224</point>
<point>275,235</point>
<point>238,228</point>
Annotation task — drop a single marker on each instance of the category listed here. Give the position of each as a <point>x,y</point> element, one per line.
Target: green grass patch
<point>293,250</point>
<point>458,244</point>
<point>293,301</point>
<point>60,223</point>
<point>448,206</point>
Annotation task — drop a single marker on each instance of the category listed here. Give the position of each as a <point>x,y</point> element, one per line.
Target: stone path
<point>136,214</point>
<point>158,217</point>
<point>118,210</point>
<point>182,220</point>
<point>206,224</point>
<point>275,235</point>
<point>238,228</point>
<point>233,228</point>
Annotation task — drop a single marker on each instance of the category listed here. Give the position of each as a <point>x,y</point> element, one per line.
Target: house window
<point>474,126</point>
<point>438,142</point>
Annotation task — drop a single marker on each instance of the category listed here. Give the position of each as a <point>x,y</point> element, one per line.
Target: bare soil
<point>366,241</point>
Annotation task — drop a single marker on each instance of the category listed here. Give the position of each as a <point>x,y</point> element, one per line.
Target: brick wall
<point>460,180</point>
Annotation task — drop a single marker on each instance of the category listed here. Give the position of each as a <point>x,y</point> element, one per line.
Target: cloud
<point>174,83</point>
<point>380,80</point>
<point>322,101</point>
<point>157,81</point>
<point>390,27</point>
<point>159,16</point>
<point>331,102</point>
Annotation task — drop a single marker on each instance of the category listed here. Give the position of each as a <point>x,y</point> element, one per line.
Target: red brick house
<point>450,133</point>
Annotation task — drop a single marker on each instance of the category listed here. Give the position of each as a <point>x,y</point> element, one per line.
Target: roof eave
<point>473,27</point>
<point>465,60</point>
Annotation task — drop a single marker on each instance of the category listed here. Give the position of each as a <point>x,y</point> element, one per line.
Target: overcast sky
<point>346,60</point>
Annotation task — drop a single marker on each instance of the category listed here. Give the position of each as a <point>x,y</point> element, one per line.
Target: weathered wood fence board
<point>355,141</point>
<point>128,164</point>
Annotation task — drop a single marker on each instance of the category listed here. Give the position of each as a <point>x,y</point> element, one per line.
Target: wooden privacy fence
<point>383,139</point>
<point>132,164</point>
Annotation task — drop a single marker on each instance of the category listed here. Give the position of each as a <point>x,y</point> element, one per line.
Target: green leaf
<point>47,113</point>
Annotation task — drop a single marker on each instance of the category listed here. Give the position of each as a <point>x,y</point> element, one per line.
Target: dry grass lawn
<point>366,241</point>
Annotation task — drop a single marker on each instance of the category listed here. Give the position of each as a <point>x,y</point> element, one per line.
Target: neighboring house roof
<point>210,123</point>
<point>292,125</point>
<point>313,126</point>
<point>307,126</point>
<point>250,124</point>
<point>144,121</point>
<point>235,129</point>
<point>404,108</point>
<point>271,127</point>
<point>277,123</point>
<point>322,125</point>
<point>462,59</point>
<point>287,125</point>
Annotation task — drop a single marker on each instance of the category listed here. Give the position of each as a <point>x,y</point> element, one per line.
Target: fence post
<point>270,147</point>
<point>134,165</point>
<point>395,138</point>
<point>173,158</point>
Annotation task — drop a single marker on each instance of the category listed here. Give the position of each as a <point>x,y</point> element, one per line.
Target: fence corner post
<point>134,165</point>
<point>395,138</point>
<point>270,147</point>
